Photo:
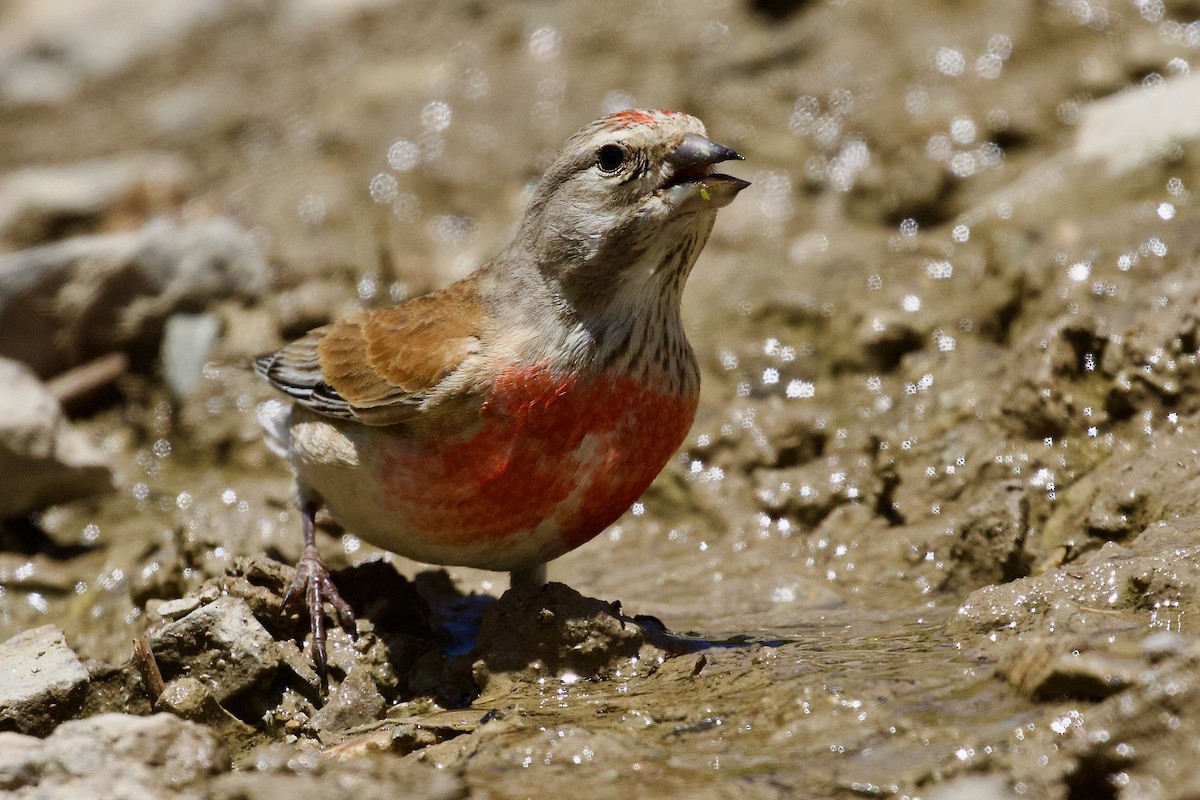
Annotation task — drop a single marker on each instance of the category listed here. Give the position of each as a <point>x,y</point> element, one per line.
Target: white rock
<point>187,342</point>
<point>1130,127</point>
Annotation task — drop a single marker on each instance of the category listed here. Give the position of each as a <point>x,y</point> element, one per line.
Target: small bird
<point>513,415</point>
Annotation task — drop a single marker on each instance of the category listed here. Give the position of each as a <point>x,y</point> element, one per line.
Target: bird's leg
<point>531,577</point>
<point>314,585</point>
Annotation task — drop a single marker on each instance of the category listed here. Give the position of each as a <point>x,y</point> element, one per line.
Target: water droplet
<point>1000,46</point>
<point>841,102</point>
<point>476,84</point>
<point>368,287</point>
<point>384,188</point>
<point>311,210</point>
<point>939,147</point>
<point>800,390</point>
<point>435,116</point>
<point>804,112</point>
<point>939,270</point>
<point>962,130</point>
<point>916,100</point>
<point>1151,10</point>
<point>988,66</point>
<point>403,155</point>
<point>775,195</point>
<point>949,61</point>
<point>450,228</point>
<point>545,43</point>
<point>407,207</point>
<point>963,165</point>
<point>852,159</point>
<point>715,33</point>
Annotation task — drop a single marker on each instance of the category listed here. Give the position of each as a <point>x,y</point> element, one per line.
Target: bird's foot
<point>314,587</point>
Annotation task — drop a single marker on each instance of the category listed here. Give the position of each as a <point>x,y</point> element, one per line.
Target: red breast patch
<point>578,451</point>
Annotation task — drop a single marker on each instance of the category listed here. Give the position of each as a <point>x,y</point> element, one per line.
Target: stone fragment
<point>187,342</point>
<point>190,699</point>
<point>52,49</point>
<point>42,681</point>
<point>44,460</point>
<point>221,644</point>
<point>356,701</point>
<point>68,302</point>
<point>554,629</point>
<point>111,755</point>
<point>1128,128</point>
<point>41,203</point>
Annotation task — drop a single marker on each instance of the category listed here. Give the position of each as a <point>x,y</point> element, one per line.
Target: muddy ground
<point>934,533</point>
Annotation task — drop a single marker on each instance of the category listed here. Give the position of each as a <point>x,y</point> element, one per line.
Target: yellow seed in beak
<point>704,195</point>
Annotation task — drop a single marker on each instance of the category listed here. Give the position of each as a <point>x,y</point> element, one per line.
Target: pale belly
<point>550,467</point>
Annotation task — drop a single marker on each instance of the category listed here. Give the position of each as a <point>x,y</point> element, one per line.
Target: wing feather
<point>379,365</point>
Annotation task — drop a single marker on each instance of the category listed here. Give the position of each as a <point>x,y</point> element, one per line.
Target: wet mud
<point>934,533</point>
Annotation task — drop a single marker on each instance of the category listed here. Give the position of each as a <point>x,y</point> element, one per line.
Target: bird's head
<point>634,191</point>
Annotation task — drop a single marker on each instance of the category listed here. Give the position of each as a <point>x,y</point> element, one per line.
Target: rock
<point>68,302</point>
<point>1084,676</point>
<point>885,338</point>
<point>1140,740</point>
<point>1164,644</point>
<point>976,787</point>
<point>356,701</point>
<point>52,48</point>
<point>42,682</point>
<point>1046,669</point>
<point>45,202</point>
<point>1133,126</point>
<point>764,432</point>
<point>221,644</point>
<point>187,342</point>
<point>43,458</point>
<point>190,699</point>
<point>555,629</point>
<point>111,755</point>
<point>989,544</point>
<point>174,609</point>
<point>349,779</point>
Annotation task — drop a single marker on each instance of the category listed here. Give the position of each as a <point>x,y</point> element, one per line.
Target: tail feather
<point>295,370</point>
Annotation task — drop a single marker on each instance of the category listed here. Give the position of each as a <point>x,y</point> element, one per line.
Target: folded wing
<point>379,365</point>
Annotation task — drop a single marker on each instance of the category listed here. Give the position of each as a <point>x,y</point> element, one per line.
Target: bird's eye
<point>610,158</point>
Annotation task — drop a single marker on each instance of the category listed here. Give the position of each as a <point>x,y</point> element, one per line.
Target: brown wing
<point>377,366</point>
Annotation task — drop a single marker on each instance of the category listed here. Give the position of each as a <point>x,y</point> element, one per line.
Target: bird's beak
<point>691,184</point>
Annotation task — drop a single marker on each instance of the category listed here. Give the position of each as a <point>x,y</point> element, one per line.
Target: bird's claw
<point>314,587</point>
